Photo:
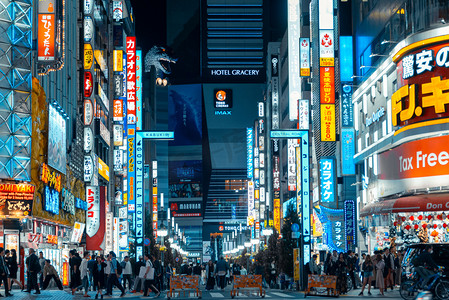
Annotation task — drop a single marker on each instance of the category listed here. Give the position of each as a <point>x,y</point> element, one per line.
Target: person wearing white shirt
<point>84,273</point>
<point>127,272</point>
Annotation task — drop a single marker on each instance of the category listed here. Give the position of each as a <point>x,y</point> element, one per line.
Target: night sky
<point>150,23</point>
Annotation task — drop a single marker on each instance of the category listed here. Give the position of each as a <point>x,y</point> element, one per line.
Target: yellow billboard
<point>88,56</point>
<point>327,113</point>
<point>103,169</point>
<point>118,60</point>
<point>277,214</point>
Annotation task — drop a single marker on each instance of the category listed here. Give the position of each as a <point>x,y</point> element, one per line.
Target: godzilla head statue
<point>158,58</point>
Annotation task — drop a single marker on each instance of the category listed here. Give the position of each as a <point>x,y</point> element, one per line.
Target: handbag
<point>142,271</point>
<point>150,274</point>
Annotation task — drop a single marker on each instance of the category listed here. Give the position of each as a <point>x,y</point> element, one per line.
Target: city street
<point>270,294</point>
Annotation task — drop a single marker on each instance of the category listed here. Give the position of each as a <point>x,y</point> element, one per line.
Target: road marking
<point>216,295</point>
<point>281,295</point>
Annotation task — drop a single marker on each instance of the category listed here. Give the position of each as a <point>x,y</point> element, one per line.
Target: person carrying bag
<point>148,274</point>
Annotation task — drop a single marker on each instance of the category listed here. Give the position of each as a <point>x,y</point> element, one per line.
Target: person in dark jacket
<point>222,269</point>
<point>98,275</point>
<point>75,274</point>
<point>425,266</point>
<point>90,267</point>
<point>11,260</point>
<point>33,267</point>
<point>210,275</point>
<point>4,272</point>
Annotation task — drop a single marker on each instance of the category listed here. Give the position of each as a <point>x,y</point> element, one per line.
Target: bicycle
<point>438,286</point>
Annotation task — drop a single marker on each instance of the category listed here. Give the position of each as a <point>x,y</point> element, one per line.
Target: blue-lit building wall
<point>16,24</point>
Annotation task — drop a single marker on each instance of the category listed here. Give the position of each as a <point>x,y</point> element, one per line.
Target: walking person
<point>33,268</point>
<point>4,272</point>
<point>138,281</point>
<point>75,274</point>
<point>380,266</point>
<point>149,277</point>
<point>41,273</point>
<point>222,269</point>
<point>168,274</point>
<point>210,276</point>
<point>98,276</point>
<point>341,270</point>
<point>113,276</point>
<point>13,268</point>
<point>367,270</point>
<point>127,273</point>
<point>352,262</point>
<point>158,273</point>
<point>389,269</point>
<point>49,274</point>
<point>90,268</point>
<point>84,273</point>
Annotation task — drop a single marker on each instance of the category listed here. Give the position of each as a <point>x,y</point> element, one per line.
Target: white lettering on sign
<point>423,160</point>
<point>234,72</point>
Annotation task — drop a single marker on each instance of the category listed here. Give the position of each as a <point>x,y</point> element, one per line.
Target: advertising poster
<point>186,209</point>
<point>185,178</point>
<point>57,147</point>
<point>184,114</point>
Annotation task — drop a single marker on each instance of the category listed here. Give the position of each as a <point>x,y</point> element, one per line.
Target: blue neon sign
<point>327,179</point>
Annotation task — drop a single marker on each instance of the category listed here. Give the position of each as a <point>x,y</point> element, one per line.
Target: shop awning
<point>418,203</point>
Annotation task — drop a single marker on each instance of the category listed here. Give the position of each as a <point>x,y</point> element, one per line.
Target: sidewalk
<point>375,293</point>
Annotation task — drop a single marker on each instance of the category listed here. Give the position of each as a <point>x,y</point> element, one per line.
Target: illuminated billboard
<point>422,84</point>
<point>50,35</point>
<point>131,78</point>
<point>294,84</point>
<point>328,133</point>
<point>57,147</point>
<point>327,180</point>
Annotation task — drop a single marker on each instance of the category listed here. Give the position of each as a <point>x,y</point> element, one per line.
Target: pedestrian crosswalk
<point>226,294</point>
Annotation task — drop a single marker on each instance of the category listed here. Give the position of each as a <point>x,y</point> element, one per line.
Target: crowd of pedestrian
<point>100,273</point>
<point>381,270</point>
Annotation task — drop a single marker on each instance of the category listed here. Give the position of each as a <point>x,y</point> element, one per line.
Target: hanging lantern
<point>444,225</point>
<point>435,225</point>
<point>395,223</point>
<point>439,217</point>
<point>408,227</point>
<point>429,217</point>
<point>403,219</point>
<point>424,225</point>
<point>420,217</point>
<point>434,233</point>
<point>416,226</point>
<point>412,218</point>
<point>439,226</point>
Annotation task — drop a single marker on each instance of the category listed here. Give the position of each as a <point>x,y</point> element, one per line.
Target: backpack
<point>119,269</point>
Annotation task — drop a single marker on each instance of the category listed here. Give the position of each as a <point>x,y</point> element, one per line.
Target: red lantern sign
<point>435,225</point>
<point>408,227</point>
<point>424,225</point>
<point>429,217</point>
<point>88,84</point>
<point>444,225</point>
<point>416,226</point>
<point>412,218</point>
<point>420,217</point>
